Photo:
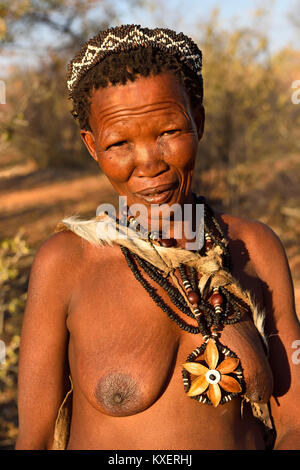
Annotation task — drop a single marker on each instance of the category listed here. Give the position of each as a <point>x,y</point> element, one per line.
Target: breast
<point>125,371</point>
<point>126,380</point>
<point>244,340</point>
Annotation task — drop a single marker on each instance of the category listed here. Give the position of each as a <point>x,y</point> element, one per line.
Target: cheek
<point>117,168</point>
<point>181,152</point>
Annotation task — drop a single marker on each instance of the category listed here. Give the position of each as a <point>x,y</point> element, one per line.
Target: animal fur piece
<point>103,230</point>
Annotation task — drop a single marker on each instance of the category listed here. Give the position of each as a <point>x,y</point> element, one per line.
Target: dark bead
<point>209,244</point>
<point>168,242</point>
<point>216,299</point>
<point>193,297</point>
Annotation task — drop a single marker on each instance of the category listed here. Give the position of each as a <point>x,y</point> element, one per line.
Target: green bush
<point>15,259</point>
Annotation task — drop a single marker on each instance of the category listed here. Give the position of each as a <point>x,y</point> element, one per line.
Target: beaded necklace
<point>212,373</point>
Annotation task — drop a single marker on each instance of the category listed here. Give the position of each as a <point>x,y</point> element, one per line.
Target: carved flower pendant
<point>213,377</point>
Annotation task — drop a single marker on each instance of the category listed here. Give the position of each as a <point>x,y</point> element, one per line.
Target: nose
<point>149,162</point>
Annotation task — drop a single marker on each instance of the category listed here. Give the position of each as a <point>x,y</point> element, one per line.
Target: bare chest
<point>125,351</point>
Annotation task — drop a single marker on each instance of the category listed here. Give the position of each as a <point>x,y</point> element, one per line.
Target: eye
<point>116,144</point>
<point>170,132</point>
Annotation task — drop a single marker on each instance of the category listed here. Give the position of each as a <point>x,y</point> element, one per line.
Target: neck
<point>183,223</point>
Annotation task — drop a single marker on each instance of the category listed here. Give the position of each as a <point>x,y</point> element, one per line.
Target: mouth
<point>159,194</point>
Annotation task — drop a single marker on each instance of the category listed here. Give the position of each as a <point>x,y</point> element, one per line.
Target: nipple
<point>118,394</point>
<point>117,398</point>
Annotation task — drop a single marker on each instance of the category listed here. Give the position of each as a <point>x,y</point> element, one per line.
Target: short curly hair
<point>128,63</point>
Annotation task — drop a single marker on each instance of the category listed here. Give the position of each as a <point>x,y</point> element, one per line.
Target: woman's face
<point>145,138</point>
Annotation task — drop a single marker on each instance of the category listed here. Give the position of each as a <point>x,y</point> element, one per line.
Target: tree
<point>37,119</point>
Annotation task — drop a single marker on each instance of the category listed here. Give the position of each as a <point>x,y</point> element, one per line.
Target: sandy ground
<point>41,202</point>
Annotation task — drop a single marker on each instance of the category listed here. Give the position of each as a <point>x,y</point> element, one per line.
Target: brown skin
<point>124,353</point>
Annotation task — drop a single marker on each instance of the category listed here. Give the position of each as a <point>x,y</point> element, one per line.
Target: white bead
<point>216,376</point>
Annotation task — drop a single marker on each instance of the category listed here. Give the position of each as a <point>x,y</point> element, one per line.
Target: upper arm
<point>43,372</point>
<point>282,325</point>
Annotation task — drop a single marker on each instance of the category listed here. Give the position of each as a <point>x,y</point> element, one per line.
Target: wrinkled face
<point>145,138</point>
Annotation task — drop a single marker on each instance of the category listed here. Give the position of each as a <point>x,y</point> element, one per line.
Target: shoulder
<point>67,255</point>
<point>58,249</point>
<point>57,262</point>
<point>244,227</point>
<point>267,256</point>
<point>263,244</point>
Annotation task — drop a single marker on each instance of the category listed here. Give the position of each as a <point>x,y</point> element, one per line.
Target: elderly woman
<point>163,341</point>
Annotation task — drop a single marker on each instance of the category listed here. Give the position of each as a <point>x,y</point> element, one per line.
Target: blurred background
<point>249,159</point>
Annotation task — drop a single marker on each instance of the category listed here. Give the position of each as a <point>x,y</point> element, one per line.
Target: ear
<point>89,142</point>
<point>199,117</point>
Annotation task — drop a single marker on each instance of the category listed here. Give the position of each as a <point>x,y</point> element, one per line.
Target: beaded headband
<point>126,38</point>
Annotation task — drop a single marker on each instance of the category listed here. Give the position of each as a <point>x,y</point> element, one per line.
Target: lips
<point>157,194</point>
<point>157,189</point>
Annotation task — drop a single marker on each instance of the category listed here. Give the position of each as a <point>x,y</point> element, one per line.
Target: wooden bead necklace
<point>212,373</point>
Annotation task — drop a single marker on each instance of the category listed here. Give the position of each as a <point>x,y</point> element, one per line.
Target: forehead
<point>164,90</point>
